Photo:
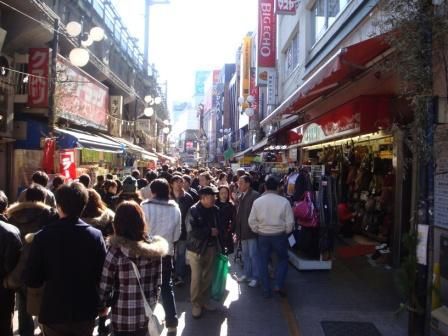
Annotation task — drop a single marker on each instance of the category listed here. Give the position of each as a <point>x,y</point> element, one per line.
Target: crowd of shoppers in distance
<point>66,252</point>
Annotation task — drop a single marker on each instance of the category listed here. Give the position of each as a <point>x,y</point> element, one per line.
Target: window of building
<point>324,13</point>
<point>292,55</point>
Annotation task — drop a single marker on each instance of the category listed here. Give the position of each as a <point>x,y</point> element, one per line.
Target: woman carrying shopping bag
<point>121,286</point>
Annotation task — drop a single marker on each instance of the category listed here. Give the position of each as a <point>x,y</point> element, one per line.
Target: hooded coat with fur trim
<point>119,281</point>
<point>102,222</point>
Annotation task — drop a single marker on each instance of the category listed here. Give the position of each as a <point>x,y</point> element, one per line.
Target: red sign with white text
<point>80,97</point>
<point>266,34</point>
<point>286,7</point>
<point>67,164</point>
<point>38,67</point>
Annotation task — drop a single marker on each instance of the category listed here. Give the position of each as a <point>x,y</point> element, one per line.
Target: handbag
<point>154,326</point>
<point>220,277</point>
<point>306,213</point>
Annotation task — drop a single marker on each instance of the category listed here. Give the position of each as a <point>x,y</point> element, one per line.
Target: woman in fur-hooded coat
<point>119,287</point>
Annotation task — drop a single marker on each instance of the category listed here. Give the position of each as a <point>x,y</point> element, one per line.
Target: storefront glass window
<point>324,13</point>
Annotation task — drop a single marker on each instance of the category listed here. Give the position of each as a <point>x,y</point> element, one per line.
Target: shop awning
<point>70,138</point>
<point>166,157</point>
<point>260,145</point>
<point>242,153</point>
<point>133,148</point>
<point>340,68</point>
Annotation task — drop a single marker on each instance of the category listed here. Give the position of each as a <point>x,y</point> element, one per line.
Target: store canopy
<point>70,138</point>
<point>260,145</point>
<point>242,153</point>
<point>166,158</point>
<point>130,147</point>
<point>340,68</point>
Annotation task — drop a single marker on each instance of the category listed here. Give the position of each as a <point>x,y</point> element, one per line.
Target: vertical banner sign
<point>272,88</point>
<point>285,7</point>
<point>245,67</point>
<point>67,165</point>
<point>254,89</point>
<point>38,65</point>
<point>266,34</point>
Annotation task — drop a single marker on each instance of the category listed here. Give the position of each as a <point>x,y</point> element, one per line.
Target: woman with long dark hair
<point>227,214</point>
<point>97,214</point>
<point>119,285</point>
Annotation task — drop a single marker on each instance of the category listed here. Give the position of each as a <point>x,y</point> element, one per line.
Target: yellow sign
<point>245,67</point>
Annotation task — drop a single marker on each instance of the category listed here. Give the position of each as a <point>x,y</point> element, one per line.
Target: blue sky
<point>190,35</point>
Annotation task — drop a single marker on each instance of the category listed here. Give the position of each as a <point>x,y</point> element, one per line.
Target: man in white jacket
<point>164,219</point>
<point>272,220</point>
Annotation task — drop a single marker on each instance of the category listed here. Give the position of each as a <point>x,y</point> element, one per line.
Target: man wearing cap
<point>202,247</point>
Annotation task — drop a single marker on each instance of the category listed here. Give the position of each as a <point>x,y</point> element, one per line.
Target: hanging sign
<point>48,157</point>
<point>67,165</point>
<point>286,7</point>
<point>266,34</point>
<point>38,65</point>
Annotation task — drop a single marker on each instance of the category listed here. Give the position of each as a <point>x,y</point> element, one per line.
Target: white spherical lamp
<point>88,42</point>
<point>148,99</point>
<point>166,122</point>
<point>166,130</point>
<point>79,57</point>
<point>148,111</point>
<point>250,99</point>
<point>157,100</point>
<point>249,112</point>
<point>97,34</point>
<point>73,28</point>
<point>241,100</point>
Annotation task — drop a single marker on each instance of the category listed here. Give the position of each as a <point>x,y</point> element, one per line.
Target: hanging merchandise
<point>306,213</point>
<point>48,157</point>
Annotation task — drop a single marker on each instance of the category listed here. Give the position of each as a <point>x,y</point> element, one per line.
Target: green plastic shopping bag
<point>220,277</point>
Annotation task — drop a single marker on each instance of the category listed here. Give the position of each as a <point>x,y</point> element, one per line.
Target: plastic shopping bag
<point>220,277</point>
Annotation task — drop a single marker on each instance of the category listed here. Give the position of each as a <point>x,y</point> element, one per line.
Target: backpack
<point>306,213</point>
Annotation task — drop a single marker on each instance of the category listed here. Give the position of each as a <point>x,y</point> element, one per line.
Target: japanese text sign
<point>38,67</point>
<point>67,165</point>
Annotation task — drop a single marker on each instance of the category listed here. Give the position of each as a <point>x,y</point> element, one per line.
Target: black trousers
<point>6,311</point>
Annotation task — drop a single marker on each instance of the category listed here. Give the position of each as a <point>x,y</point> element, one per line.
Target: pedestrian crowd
<point>74,252</point>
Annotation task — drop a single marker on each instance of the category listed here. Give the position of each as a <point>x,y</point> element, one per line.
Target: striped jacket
<point>163,219</point>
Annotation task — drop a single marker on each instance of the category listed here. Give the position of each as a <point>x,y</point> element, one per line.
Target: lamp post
<point>79,56</point>
<point>246,107</point>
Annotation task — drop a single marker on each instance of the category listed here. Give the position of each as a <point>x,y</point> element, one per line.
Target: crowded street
<point>223,167</point>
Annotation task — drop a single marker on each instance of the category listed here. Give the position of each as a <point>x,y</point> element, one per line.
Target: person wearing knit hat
<point>129,190</point>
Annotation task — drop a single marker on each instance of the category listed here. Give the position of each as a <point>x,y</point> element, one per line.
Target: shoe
<point>209,306</point>
<point>381,246</point>
<point>171,331</point>
<point>178,282</point>
<point>253,283</point>
<point>196,311</point>
<point>242,278</point>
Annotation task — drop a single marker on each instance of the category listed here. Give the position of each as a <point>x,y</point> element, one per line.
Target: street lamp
<point>79,56</point>
<point>246,105</point>
<point>151,101</point>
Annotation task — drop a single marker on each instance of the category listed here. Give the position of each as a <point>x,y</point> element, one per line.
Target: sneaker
<point>171,331</point>
<point>178,281</point>
<point>209,306</point>
<point>196,311</point>
<point>253,283</point>
<point>242,278</point>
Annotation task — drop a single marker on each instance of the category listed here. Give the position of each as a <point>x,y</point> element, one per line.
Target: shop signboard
<point>272,88</point>
<point>266,34</point>
<point>79,97</point>
<point>38,67</point>
<point>67,164</point>
<point>116,111</point>
<point>286,7</point>
<point>245,67</point>
<point>254,91</point>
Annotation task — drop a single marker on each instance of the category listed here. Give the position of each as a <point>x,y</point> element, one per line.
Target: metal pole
<point>53,77</point>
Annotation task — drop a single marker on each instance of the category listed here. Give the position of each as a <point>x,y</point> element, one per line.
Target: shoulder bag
<point>154,326</point>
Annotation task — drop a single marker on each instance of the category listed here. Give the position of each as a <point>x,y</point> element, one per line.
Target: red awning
<point>341,67</point>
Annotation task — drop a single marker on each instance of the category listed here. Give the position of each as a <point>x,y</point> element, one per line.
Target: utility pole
<point>53,78</point>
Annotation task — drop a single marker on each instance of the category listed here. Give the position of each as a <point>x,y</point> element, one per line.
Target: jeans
<point>71,328</point>
<point>180,264</point>
<point>26,322</point>
<point>279,245</point>
<point>6,311</point>
<point>250,258</point>
<point>168,301</point>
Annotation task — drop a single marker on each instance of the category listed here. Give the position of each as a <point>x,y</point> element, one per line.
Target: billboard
<point>79,97</point>
<point>38,84</point>
<point>200,78</point>
<point>286,7</point>
<point>267,31</point>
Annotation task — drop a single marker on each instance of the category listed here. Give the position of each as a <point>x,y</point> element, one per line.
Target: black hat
<point>208,191</point>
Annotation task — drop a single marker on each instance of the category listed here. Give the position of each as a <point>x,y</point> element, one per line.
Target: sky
<point>190,35</point>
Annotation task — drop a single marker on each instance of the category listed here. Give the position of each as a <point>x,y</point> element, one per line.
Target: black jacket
<point>10,246</point>
<point>227,213</point>
<point>185,202</point>
<point>67,257</point>
<point>200,222</point>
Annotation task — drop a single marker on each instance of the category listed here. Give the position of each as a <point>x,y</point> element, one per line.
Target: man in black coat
<point>67,257</point>
<point>202,247</point>
<point>10,246</point>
